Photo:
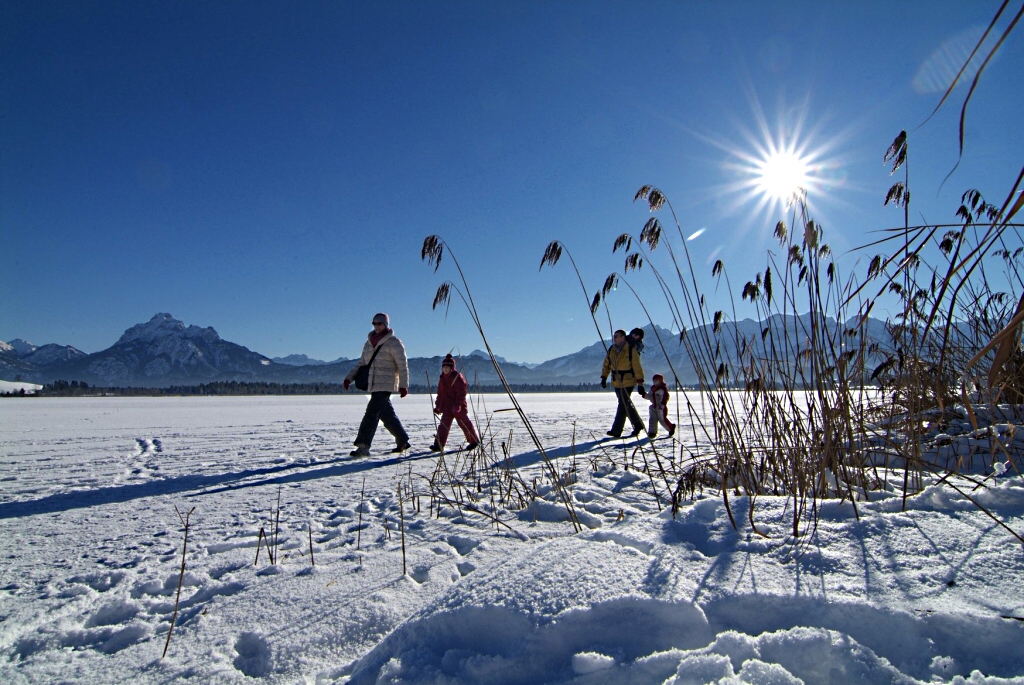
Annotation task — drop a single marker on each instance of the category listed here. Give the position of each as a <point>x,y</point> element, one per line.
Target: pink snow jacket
<point>451,394</point>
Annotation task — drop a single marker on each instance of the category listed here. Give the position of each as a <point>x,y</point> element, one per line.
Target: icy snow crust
<point>92,551</point>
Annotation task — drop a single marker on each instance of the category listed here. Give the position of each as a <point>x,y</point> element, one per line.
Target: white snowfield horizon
<point>90,490</point>
<point>13,387</point>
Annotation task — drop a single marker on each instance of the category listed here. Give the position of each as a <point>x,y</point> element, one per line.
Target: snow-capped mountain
<point>49,355</point>
<point>161,352</point>
<point>22,360</point>
<point>21,347</point>
<point>298,360</point>
<point>164,352</point>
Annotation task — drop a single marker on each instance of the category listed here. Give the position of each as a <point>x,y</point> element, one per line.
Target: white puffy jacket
<point>390,370</point>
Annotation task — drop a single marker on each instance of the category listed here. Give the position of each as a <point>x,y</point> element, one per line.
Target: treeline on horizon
<point>228,388</point>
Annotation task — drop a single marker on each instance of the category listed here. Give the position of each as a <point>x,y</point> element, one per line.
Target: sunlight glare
<point>782,174</point>
<point>777,168</point>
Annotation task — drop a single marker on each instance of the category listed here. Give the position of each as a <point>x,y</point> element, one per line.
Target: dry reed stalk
<point>359,525</point>
<point>262,539</point>
<point>181,575</point>
<point>401,524</point>
<point>277,525</point>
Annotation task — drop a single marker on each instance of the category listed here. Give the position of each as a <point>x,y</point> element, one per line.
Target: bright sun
<point>777,168</point>
<point>781,175</point>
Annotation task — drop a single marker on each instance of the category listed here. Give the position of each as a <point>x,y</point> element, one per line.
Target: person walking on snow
<point>389,373</point>
<point>451,405</point>
<point>659,407</point>
<point>623,364</point>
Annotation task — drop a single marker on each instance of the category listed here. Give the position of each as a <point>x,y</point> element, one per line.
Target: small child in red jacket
<point>451,405</point>
<point>658,395</point>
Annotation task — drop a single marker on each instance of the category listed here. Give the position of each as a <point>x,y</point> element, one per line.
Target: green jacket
<point>623,365</point>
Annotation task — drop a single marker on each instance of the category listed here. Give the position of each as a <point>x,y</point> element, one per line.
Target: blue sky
<point>271,169</point>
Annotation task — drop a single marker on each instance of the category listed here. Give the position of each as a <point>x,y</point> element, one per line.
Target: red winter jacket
<point>451,394</point>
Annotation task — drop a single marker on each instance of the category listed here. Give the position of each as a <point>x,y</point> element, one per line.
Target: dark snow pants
<point>624,409</point>
<point>379,409</point>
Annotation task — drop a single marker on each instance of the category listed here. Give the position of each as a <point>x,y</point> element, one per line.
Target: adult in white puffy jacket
<point>389,373</point>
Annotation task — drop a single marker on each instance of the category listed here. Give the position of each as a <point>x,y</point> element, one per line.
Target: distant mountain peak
<point>51,354</point>
<point>22,347</point>
<point>298,360</point>
<point>162,326</point>
<point>483,355</point>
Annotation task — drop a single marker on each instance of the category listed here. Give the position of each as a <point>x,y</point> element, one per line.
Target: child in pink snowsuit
<point>659,407</point>
<point>451,405</point>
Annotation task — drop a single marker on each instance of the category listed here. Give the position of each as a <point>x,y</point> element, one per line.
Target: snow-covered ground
<point>91,490</point>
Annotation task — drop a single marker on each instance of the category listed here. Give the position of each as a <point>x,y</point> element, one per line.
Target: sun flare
<point>782,169</point>
<point>781,175</point>
<point>777,166</point>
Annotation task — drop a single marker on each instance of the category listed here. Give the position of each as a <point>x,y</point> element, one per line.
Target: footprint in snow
<point>253,657</point>
<point>100,582</point>
<point>149,445</point>
<point>112,613</point>
<point>462,545</point>
<point>421,574</point>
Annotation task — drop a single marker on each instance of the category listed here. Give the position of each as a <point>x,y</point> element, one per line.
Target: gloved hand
<point>437,410</point>
<point>604,382</point>
<point>640,389</point>
<point>402,392</point>
<point>346,383</point>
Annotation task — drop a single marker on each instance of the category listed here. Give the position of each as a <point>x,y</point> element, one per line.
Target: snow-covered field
<point>92,551</point>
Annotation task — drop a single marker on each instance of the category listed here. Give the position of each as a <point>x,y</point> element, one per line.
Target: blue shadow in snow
<point>194,485</point>
<point>533,457</point>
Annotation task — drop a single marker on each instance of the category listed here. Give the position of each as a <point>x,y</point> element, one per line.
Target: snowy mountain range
<point>164,352</point>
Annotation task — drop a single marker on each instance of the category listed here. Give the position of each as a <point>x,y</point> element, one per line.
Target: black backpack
<point>637,345</point>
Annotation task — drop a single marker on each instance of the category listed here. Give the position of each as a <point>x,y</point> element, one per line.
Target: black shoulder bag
<point>362,379</point>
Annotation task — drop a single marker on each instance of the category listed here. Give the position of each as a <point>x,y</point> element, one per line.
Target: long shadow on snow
<point>527,459</point>
<point>82,499</point>
<point>302,476</point>
<point>533,457</point>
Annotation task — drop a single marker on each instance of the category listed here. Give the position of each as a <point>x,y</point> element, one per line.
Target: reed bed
<point>825,401</point>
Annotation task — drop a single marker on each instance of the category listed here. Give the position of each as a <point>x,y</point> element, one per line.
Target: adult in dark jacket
<point>389,373</point>
<point>452,406</point>
<point>623,364</point>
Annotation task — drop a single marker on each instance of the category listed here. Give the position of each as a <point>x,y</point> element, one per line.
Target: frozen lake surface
<point>90,490</point>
